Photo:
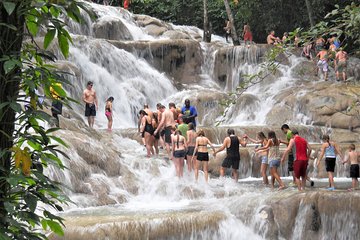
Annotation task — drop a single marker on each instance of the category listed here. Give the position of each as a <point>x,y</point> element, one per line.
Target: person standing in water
<point>274,158</point>
<point>91,103</point>
<point>330,149</point>
<point>262,139</point>
<point>167,122</point>
<point>202,154</point>
<point>302,154</point>
<point>179,151</point>
<point>109,112</point>
<point>191,140</point>
<point>354,167</point>
<point>148,131</point>
<point>189,113</point>
<point>232,159</point>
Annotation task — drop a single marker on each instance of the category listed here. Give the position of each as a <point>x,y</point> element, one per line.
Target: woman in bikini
<point>261,138</point>
<point>179,151</point>
<point>148,131</point>
<point>274,158</point>
<point>108,112</point>
<point>202,154</point>
<point>191,139</point>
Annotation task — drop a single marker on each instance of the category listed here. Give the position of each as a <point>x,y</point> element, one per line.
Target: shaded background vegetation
<point>263,16</point>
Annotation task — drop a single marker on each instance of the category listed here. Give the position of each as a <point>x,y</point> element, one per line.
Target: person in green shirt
<point>183,127</point>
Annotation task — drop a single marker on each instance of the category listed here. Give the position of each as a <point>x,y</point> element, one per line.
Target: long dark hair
<point>272,136</point>
<point>111,99</point>
<point>177,133</point>
<point>326,138</point>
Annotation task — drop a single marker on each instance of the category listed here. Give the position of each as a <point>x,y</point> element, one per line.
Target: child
<point>108,112</point>
<point>354,167</point>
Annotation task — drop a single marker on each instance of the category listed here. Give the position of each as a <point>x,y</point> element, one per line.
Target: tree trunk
<point>231,19</point>
<point>309,10</point>
<point>207,29</point>
<point>10,45</point>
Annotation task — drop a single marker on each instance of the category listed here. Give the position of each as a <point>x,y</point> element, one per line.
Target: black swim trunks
<point>330,164</point>
<point>168,134</point>
<point>231,161</point>
<point>354,170</point>
<point>90,110</point>
<point>203,156</point>
<point>291,163</point>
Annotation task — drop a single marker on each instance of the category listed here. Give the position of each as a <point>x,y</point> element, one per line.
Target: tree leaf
<point>49,37</point>
<point>9,66</point>
<point>9,7</point>
<point>64,44</point>
<point>31,201</point>
<point>32,27</point>
<point>55,227</point>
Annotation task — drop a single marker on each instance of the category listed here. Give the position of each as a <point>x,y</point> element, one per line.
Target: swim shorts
<point>330,164</point>
<point>203,156</point>
<point>300,167</point>
<point>90,110</point>
<point>233,161</point>
<point>354,170</point>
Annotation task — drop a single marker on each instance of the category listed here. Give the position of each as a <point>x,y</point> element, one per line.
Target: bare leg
<point>331,179</point>
<point>303,183</point>
<point>197,166</point>
<point>344,76</point>
<point>222,171</point>
<point>205,168</point>
<point>263,173</point>
<point>235,175</point>
<point>189,162</point>
<point>277,177</point>
<point>181,167</point>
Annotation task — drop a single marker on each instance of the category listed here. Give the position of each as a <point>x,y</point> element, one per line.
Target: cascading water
<point>119,194</point>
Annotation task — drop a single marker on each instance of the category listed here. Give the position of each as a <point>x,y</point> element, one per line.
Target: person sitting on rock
<point>271,39</point>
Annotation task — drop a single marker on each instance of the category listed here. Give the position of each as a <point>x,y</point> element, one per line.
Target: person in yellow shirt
<point>56,105</point>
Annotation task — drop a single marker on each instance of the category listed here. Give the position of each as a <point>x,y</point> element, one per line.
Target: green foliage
<point>262,16</point>
<point>344,22</point>
<point>26,193</point>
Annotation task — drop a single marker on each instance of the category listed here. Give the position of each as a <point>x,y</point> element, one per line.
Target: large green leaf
<point>49,37</point>
<point>55,227</point>
<point>31,201</point>
<point>9,7</point>
<point>64,44</point>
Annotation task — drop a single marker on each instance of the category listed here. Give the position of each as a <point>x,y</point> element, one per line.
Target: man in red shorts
<point>302,151</point>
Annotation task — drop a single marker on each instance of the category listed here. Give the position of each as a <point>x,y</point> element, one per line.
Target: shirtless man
<point>322,63</point>
<point>167,122</point>
<point>91,103</point>
<point>340,64</point>
<point>354,167</point>
<point>271,39</point>
<point>319,44</point>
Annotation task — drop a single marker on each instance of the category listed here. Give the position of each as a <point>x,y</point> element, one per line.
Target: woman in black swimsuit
<point>147,130</point>
<point>202,154</point>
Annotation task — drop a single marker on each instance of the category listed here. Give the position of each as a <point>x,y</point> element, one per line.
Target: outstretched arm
<point>288,149</point>
<point>321,155</point>
<point>222,147</point>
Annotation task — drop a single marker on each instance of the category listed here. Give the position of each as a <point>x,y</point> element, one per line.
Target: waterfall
<point>118,193</point>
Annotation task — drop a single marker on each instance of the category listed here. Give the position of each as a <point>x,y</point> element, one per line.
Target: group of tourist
<point>176,128</point>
